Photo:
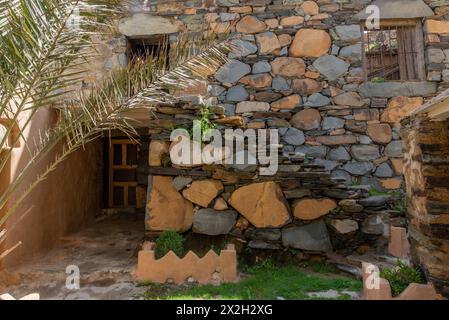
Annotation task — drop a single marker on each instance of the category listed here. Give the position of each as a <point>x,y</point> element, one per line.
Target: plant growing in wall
<point>401,277</point>
<point>41,63</point>
<point>169,241</point>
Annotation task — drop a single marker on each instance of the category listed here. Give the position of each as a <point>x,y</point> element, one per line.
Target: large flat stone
<point>214,223</point>
<point>232,71</point>
<point>394,89</point>
<point>142,25</point>
<point>312,237</point>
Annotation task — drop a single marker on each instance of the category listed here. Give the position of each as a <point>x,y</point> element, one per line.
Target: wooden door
<point>122,173</point>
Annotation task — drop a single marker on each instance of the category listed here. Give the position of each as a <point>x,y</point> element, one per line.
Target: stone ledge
<point>211,268</point>
<point>394,89</point>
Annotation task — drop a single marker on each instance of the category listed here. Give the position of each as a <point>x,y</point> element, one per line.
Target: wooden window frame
<point>418,46</point>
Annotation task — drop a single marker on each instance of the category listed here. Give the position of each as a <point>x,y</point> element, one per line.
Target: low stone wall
<point>427,175</point>
<point>211,268</point>
<point>302,206</point>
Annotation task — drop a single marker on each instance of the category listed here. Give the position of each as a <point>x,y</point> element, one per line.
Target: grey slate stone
<point>353,52</point>
<point>215,90</point>
<point>339,154</point>
<point>232,71</point>
<point>365,152</point>
<point>280,84</point>
<point>212,222</point>
<point>384,171</point>
<point>349,32</point>
<point>312,237</point>
<point>328,165</point>
<point>260,244</point>
<point>313,151</point>
<point>317,100</point>
<point>180,182</point>
<point>341,176</point>
<point>375,201</point>
<point>374,225</point>
<point>330,123</point>
<point>237,93</point>
<point>229,109</point>
<point>263,234</point>
<point>331,67</point>
<point>394,149</point>
<point>261,67</point>
<point>394,89</point>
<point>294,137</point>
<point>359,168</point>
<point>242,49</point>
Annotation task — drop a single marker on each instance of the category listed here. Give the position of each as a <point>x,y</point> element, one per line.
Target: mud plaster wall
<point>69,198</point>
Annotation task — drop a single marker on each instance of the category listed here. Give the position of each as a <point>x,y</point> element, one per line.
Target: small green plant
<point>169,241</point>
<point>205,123</point>
<point>401,276</point>
<point>265,264</point>
<point>378,80</point>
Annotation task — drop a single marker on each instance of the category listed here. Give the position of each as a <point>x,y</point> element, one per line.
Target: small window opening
<point>154,46</point>
<point>394,53</point>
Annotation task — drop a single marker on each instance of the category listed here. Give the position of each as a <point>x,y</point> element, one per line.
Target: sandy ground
<point>105,253</point>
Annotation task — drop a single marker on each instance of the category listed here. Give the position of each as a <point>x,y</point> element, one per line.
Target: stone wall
<point>426,172</point>
<point>298,68</point>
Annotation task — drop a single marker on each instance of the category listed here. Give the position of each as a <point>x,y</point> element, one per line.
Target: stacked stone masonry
<point>427,174</point>
<point>297,67</point>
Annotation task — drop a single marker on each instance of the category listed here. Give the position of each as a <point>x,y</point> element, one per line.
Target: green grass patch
<point>264,281</point>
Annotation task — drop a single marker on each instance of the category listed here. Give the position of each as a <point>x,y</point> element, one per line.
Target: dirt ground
<point>105,253</point>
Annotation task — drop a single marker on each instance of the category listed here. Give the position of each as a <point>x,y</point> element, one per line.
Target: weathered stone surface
<point>267,96</point>
<point>284,39</point>
<point>307,119</point>
<point>366,114</point>
<point>203,192</point>
<point>375,201</point>
<point>365,152</point>
<point>331,67</point>
<point>294,137</point>
<point>252,106</point>
<point>214,223</point>
<point>310,43</point>
<point>157,150</point>
<point>237,93</point>
<point>349,33</point>
<point>311,209</point>
<point>384,171</point>
<point>394,149</point>
<point>220,204</point>
<point>337,140</point>
<point>263,204</point>
<point>310,8</point>
<point>352,53</point>
<point>250,24</point>
<point>291,21</point>
<point>232,71</point>
<point>242,48</point>
<point>167,209</point>
<point>344,226</point>
<point>261,67</point>
<point>317,100</point>
<point>374,225</point>
<point>262,80</point>
<point>264,245</point>
<point>328,165</point>
<point>351,99</point>
<point>436,26</point>
<point>306,87</point>
<point>350,205</point>
<point>341,176</point>
<point>380,133</point>
<point>288,67</point>
<point>141,25</point>
<point>399,107</point>
<point>339,154</point>
<point>215,90</point>
<point>398,166</point>
<point>264,234</point>
<point>181,182</point>
<point>359,168</point>
<point>394,89</point>
<point>330,123</point>
<point>287,103</point>
<point>268,43</point>
<point>312,237</point>
<point>313,151</point>
<point>280,84</point>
